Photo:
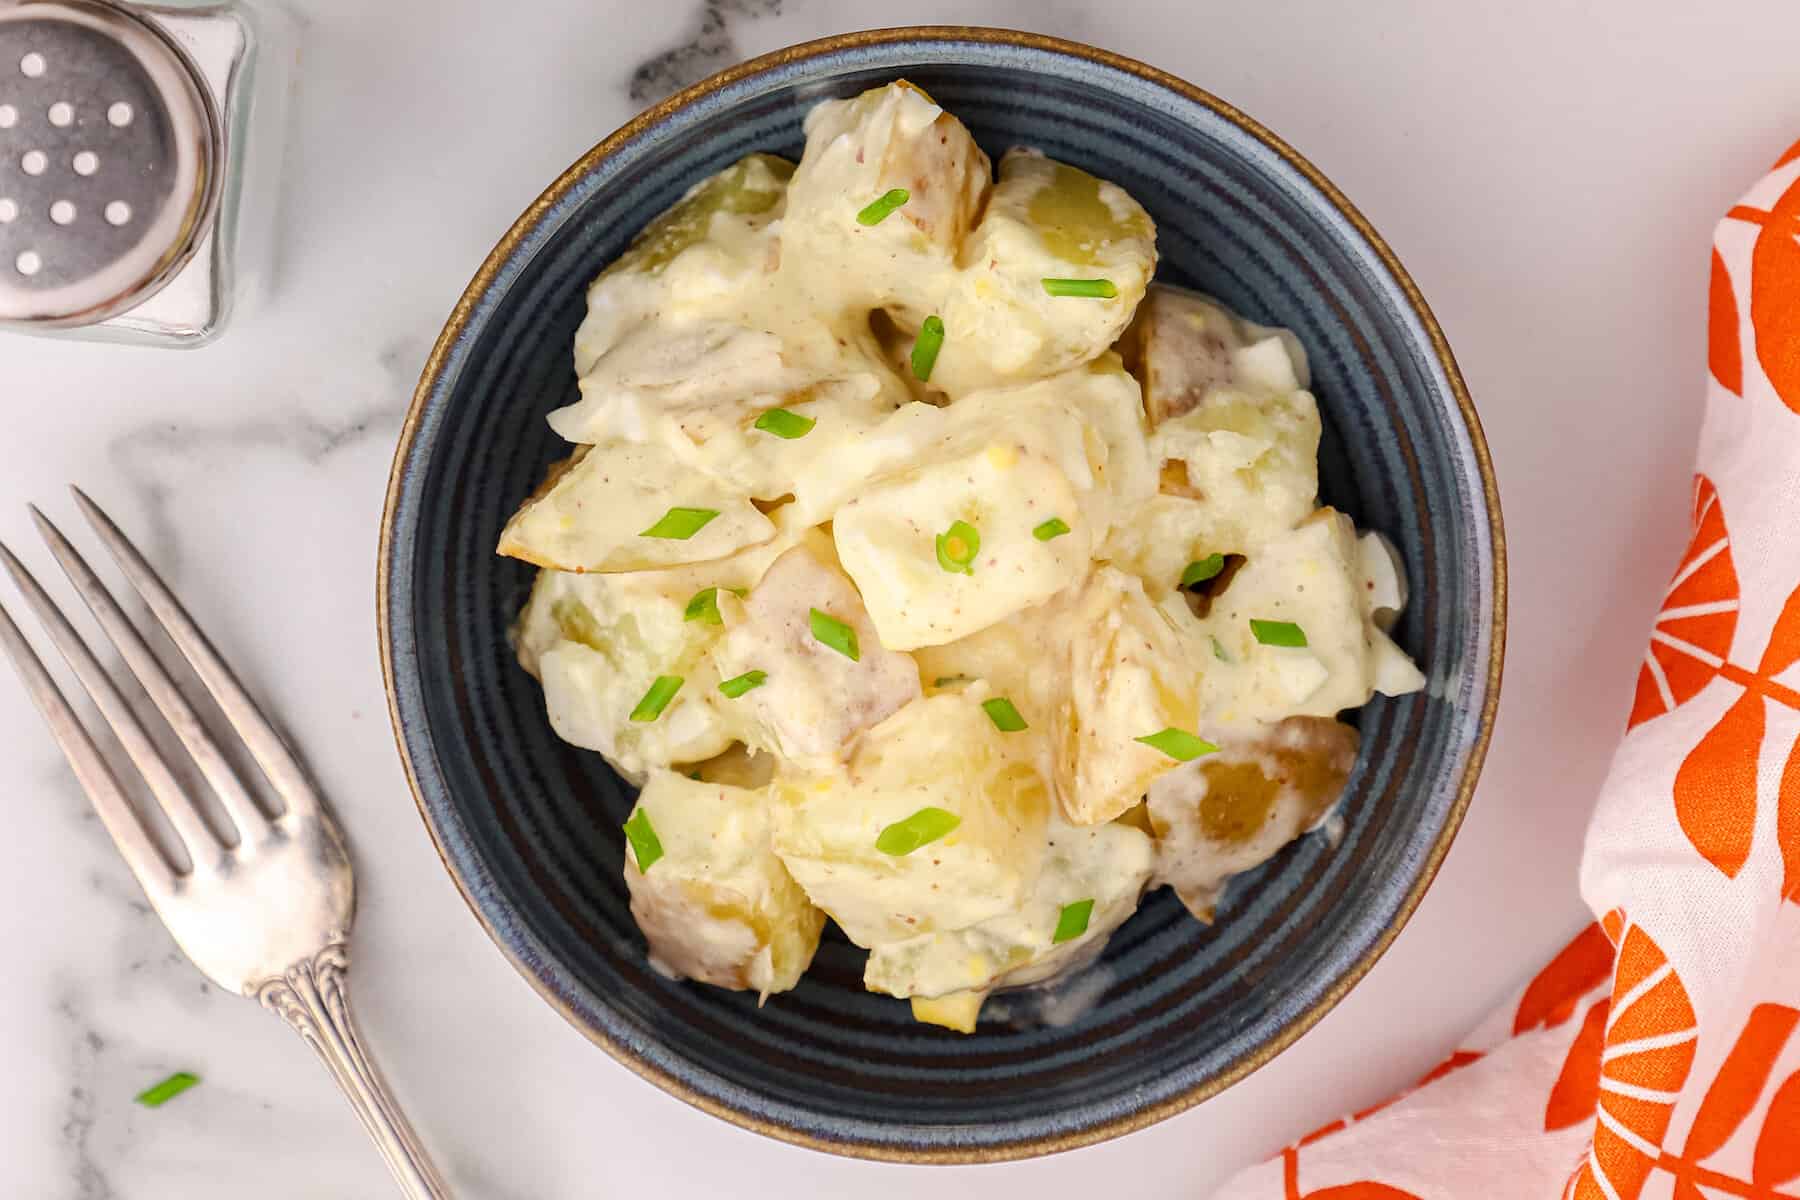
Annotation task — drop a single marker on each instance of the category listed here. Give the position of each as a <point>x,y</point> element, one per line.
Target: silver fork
<point>262,907</point>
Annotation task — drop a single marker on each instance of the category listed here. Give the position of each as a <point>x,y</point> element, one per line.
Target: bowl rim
<point>1032,1146</point>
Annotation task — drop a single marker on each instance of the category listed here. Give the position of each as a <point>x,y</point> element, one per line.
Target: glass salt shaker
<point>139,146</point>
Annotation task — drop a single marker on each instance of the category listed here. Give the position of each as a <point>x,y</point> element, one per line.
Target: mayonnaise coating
<point>977,640</point>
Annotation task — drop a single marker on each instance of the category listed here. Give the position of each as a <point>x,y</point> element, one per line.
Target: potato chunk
<point>1068,448</point>
<point>597,642</point>
<point>815,699</point>
<point>1105,867</point>
<point>753,186</point>
<point>1001,487</point>
<point>1225,813</point>
<point>858,150</point>
<point>1045,220</point>
<point>1182,346</point>
<point>1313,578</point>
<point>1131,673</point>
<point>596,514</point>
<point>692,261</point>
<point>940,752</point>
<point>718,907</point>
<point>957,1011</point>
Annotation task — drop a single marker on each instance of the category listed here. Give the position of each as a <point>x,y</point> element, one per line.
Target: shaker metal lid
<point>109,161</point>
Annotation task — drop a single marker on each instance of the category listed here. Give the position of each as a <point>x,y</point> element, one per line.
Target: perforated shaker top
<point>108,146</point>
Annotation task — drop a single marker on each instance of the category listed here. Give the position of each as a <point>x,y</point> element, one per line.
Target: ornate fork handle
<point>312,998</point>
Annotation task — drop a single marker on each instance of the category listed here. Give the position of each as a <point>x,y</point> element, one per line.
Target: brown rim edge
<point>1289,1033</point>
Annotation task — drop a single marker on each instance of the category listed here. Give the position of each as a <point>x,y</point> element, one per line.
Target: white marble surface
<point>1550,173</point>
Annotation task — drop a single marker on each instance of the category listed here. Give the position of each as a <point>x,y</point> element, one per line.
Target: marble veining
<point>711,48</point>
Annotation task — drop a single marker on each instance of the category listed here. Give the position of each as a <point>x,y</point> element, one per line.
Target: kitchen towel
<point>1658,1055</point>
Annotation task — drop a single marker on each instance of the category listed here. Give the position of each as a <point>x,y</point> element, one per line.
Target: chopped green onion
<point>1072,922</point>
<point>1055,527</point>
<point>785,424</point>
<point>680,524</point>
<point>704,607</point>
<point>1202,570</point>
<point>1178,744</point>
<point>158,1094</point>
<point>1277,633</point>
<point>657,698</point>
<point>883,206</point>
<point>1098,289</point>
<point>921,829</point>
<point>644,842</point>
<point>957,547</point>
<point>834,633</point>
<point>737,685</point>
<point>1003,714</point>
<point>944,681</point>
<point>694,774</point>
<point>925,350</point>
<point>1219,651</point>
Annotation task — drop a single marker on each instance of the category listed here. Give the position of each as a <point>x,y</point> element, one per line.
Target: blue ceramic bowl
<point>529,827</point>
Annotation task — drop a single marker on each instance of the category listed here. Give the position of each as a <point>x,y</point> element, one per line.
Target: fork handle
<point>312,998</point>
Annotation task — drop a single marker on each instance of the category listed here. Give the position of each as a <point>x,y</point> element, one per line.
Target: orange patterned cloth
<point>1658,1055</point>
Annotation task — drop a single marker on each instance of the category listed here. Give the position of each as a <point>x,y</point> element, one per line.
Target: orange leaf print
<point>1693,632</point>
<point>1577,1088</point>
<point>1775,297</point>
<point>1783,652</point>
<point>1648,1051</point>
<point>1777,1158</point>
<point>1715,789</point>
<point>1740,1080</point>
<point>1789,156</point>
<point>1577,969</point>
<point>1784,639</point>
<point>1723,357</point>
<point>1360,1190</point>
<point>1455,1062</point>
<point>1613,926</point>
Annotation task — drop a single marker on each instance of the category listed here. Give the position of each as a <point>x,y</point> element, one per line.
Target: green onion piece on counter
<point>1219,651</point>
<point>644,842</point>
<point>1055,527</point>
<point>1277,633</point>
<point>925,350</point>
<point>657,698</point>
<point>957,547</point>
<point>1005,717</point>
<point>1097,289</point>
<point>1203,570</point>
<point>1072,922</point>
<point>832,632</point>
<point>158,1094</point>
<point>1178,744</point>
<point>737,685</point>
<point>704,607</point>
<point>785,424</point>
<point>944,681</point>
<point>922,828</point>
<point>680,524</point>
<point>882,207</point>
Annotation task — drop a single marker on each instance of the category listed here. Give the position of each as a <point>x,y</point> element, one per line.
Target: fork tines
<point>202,841</point>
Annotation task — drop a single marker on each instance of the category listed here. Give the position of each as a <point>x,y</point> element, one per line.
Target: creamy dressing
<point>1011,531</point>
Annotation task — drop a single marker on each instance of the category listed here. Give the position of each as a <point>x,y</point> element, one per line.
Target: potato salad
<point>931,570</point>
